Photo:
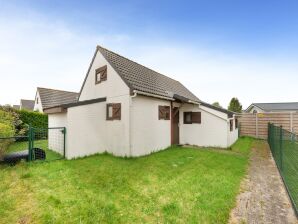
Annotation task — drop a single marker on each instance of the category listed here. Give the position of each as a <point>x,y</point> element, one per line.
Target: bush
<point>6,130</point>
<point>35,119</point>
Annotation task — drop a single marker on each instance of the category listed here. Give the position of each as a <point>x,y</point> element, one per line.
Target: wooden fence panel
<point>256,125</point>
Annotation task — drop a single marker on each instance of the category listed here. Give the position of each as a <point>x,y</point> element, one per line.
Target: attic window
<point>192,117</point>
<point>101,74</point>
<point>163,112</point>
<point>114,111</point>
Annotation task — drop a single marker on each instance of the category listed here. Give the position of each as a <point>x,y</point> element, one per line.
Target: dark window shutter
<point>236,123</point>
<point>160,112</point>
<point>163,112</point>
<point>166,112</point>
<point>117,111</point>
<point>196,117</point>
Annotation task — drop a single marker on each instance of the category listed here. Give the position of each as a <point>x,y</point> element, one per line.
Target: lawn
<point>177,185</point>
<point>43,144</point>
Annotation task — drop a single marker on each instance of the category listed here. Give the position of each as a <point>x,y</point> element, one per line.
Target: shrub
<point>35,119</point>
<point>6,130</point>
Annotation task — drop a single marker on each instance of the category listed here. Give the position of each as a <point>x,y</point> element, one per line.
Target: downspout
<point>130,122</point>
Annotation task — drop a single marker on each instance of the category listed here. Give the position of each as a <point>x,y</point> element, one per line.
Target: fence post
<point>30,143</point>
<point>64,133</point>
<point>280,146</point>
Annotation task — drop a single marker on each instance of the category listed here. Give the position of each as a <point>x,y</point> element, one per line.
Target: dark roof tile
<point>53,97</point>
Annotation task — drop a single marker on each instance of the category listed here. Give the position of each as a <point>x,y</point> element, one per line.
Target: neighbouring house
<point>26,104</point>
<point>46,97</point>
<point>272,107</point>
<point>17,107</point>
<point>127,109</point>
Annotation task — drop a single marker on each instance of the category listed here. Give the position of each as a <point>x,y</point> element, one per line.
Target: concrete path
<point>263,198</point>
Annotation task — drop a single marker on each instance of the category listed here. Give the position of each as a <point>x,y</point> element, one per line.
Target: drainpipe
<point>130,121</point>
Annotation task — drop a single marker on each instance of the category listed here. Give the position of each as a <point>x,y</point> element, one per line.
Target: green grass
<point>43,144</point>
<point>243,145</point>
<point>177,185</point>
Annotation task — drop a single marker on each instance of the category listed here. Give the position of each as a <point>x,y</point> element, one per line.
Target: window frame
<point>116,111</point>
<point>164,112</point>
<point>101,74</point>
<point>186,113</point>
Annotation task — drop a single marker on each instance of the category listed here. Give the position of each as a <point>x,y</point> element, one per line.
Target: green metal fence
<point>284,148</point>
<point>42,144</point>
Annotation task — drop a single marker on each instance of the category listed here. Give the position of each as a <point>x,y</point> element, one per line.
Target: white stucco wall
<point>211,132</point>
<point>88,131</point>
<point>37,106</point>
<point>55,136</point>
<point>148,133</point>
<point>232,135</point>
<point>112,87</point>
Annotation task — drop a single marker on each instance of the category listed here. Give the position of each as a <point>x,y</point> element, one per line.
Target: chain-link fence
<point>42,144</point>
<point>284,148</point>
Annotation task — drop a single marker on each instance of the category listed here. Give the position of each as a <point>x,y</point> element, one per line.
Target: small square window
<point>163,112</point>
<point>101,74</point>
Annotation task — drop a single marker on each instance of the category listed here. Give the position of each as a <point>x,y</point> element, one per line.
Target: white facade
<point>148,133</point>
<point>139,131</point>
<point>56,137</point>
<point>37,104</point>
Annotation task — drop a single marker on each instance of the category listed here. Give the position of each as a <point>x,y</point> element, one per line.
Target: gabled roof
<point>54,97</point>
<point>267,107</point>
<point>141,78</point>
<point>27,104</point>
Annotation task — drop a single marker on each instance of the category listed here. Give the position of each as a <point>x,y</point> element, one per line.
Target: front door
<point>175,127</point>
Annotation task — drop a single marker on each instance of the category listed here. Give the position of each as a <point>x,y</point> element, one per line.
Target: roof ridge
<point>27,99</point>
<point>57,90</point>
<point>275,103</point>
<point>98,47</point>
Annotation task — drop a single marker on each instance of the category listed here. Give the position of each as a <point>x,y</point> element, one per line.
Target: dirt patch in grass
<point>263,198</point>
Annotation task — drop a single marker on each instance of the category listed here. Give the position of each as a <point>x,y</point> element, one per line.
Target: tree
<point>235,105</point>
<point>217,104</point>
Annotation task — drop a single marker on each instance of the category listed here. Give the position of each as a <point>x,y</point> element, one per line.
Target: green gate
<point>38,144</point>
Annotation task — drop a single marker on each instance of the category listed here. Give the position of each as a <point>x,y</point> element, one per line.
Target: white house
<point>127,109</point>
<point>272,107</point>
<point>46,97</point>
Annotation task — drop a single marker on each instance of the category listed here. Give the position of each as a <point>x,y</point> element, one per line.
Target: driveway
<point>263,198</point>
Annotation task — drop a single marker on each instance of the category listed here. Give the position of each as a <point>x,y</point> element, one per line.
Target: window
<point>236,123</point>
<point>254,112</point>
<point>164,112</point>
<point>114,111</point>
<point>192,117</point>
<point>101,74</point>
<point>37,100</point>
<point>231,125</point>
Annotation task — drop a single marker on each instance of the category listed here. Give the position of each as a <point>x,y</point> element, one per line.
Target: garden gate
<point>42,144</point>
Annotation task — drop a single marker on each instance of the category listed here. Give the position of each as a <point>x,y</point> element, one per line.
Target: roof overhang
<point>63,108</point>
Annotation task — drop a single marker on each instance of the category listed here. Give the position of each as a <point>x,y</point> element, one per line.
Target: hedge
<point>7,129</point>
<point>35,119</point>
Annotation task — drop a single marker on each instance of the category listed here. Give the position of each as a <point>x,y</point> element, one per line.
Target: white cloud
<point>37,52</point>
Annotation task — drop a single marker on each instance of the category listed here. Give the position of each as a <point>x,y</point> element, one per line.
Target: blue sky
<point>218,49</point>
